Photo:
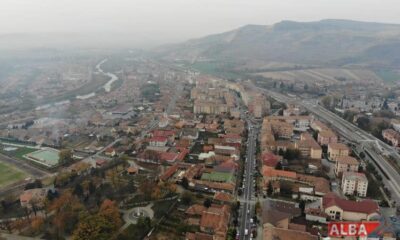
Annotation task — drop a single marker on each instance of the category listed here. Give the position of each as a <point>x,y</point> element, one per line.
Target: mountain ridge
<point>327,41</point>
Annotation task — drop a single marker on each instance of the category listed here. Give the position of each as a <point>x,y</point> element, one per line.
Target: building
<point>336,150</point>
<point>326,137</point>
<point>316,215</point>
<point>347,210</point>
<point>346,164</point>
<point>110,152</point>
<point>215,220</point>
<point>318,126</point>
<point>209,107</point>
<point>354,183</point>
<point>391,136</point>
<point>273,233</point>
<point>33,198</point>
<point>225,150</point>
<point>158,141</point>
<point>308,147</point>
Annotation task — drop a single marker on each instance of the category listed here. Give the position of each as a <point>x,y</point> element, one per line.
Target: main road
<point>247,202</point>
<point>370,144</point>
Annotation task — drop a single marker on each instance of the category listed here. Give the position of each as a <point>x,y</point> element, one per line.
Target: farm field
<point>10,175</point>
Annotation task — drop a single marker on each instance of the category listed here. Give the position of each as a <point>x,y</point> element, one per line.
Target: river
<point>106,86</point>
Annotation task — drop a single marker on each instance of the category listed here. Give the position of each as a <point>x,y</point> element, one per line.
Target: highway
<point>357,136</point>
<point>247,205</point>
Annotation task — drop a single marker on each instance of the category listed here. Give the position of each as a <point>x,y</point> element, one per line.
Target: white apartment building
<point>354,183</point>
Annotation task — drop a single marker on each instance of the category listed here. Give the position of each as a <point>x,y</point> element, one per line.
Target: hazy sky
<point>177,20</point>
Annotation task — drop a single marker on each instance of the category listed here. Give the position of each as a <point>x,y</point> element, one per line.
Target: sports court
<point>48,157</point>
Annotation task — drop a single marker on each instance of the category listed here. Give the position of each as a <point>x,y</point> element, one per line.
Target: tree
<point>147,188</point>
<point>91,187</point>
<point>78,190</point>
<point>110,212</point>
<point>270,190</point>
<point>66,212</point>
<point>281,152</point>
<point>65,156</point>
<point>207,203</point>
<point>258,207</point>
<point>315,135</point>
<point>349,115</point>
<point>37,224</point>
<point>36,184</point>
<point>93,227</point>
<point>302,206</point>
<point>185,183</point>
<point>231,235</point>
<point>326,101</point>
<point>186,198</point>
<point>363,122</point>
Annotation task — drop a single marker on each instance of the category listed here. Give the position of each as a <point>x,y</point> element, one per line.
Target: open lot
<point>324,76</point>
<point>10,175</point>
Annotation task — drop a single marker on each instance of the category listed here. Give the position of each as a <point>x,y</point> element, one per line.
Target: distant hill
<point>326,42</point>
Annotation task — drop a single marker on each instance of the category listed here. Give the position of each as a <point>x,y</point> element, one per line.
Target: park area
<point>47,157</point>
<point>10,175</point>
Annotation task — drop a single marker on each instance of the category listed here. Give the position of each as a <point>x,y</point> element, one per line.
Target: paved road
<point>247,200</point>
<point>354,134</point>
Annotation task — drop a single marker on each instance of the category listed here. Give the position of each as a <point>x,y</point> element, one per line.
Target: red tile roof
<point>158,139</point>
<point>271,160</point>
<point>169,172</point>
<point>224,197</point>
<point>365,206</point>
<point>168,156</point>
<point>163,133</point>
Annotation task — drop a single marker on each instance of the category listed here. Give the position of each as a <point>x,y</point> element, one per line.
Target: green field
<point>219,69</point>
<point>19,152</point>
<point>10,174</point>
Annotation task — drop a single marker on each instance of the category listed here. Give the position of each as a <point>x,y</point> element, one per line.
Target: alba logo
<point>351,229</point>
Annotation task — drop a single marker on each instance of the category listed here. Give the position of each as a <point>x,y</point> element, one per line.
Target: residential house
<point>391,136</point>
<point>110,152</point>
<point>33,198</point>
